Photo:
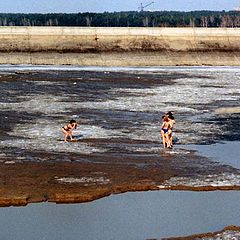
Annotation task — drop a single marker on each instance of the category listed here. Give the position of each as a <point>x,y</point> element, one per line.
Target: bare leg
<point>65,138</point>
<point>168,141</point>
<point>170,138</point>
<point>70,135</point>
<point>163,139</point>
<point>65,135</point>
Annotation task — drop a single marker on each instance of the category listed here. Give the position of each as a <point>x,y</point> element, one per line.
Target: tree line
<point>126,19</point>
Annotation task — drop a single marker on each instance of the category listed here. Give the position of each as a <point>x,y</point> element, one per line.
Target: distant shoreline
<point>143,18</point>
<point>91,46</point>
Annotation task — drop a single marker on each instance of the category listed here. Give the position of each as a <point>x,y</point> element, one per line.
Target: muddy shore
<point>137,58</point>
<point>23,183</point>
<point>119,117</point>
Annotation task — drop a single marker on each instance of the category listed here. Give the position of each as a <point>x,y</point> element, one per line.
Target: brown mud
<point>37,167</point>
<point>23,183</point>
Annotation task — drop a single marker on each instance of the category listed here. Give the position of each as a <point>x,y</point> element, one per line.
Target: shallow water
<point>223,152</point>
<point>142,215</point>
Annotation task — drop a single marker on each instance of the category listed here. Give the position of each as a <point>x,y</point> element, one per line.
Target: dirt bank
<point>119,46</point>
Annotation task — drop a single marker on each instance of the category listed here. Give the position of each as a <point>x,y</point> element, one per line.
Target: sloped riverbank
<point>96,46</point>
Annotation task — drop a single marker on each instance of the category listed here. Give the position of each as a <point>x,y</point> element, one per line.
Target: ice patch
<point>3,155</point>
<point>51,146</point>
<point>45,136</point>
<point>226,235</point>
<point>45,104</point>
<point>221,180</point>
<point>184,93</point>
<point>26,67</point>
<point>87,180</point>
<point>9,162</point>
<point>178,151</point>
<point>93,131</point>
<point>151,99</point>
<point>193,95</point>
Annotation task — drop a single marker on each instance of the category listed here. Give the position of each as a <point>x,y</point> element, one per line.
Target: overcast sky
<point>67,6</point>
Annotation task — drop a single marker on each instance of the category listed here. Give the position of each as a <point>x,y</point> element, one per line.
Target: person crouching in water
<point>166,126</point>
<point>67,130</point>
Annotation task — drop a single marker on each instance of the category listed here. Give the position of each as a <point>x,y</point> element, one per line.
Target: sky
<point>74,6</point>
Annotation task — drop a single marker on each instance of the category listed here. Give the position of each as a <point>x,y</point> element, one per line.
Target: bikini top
<point>67,128</point>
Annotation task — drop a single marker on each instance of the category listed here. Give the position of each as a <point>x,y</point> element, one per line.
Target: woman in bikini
<point>67,130</point>
<point>172,122</point>
<point>166,126</point>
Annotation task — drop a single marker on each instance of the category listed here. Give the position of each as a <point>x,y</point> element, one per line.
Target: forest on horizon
<point>125,19</point>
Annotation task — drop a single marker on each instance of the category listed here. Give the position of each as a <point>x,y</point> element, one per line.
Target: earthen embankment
<point>120,46</point>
